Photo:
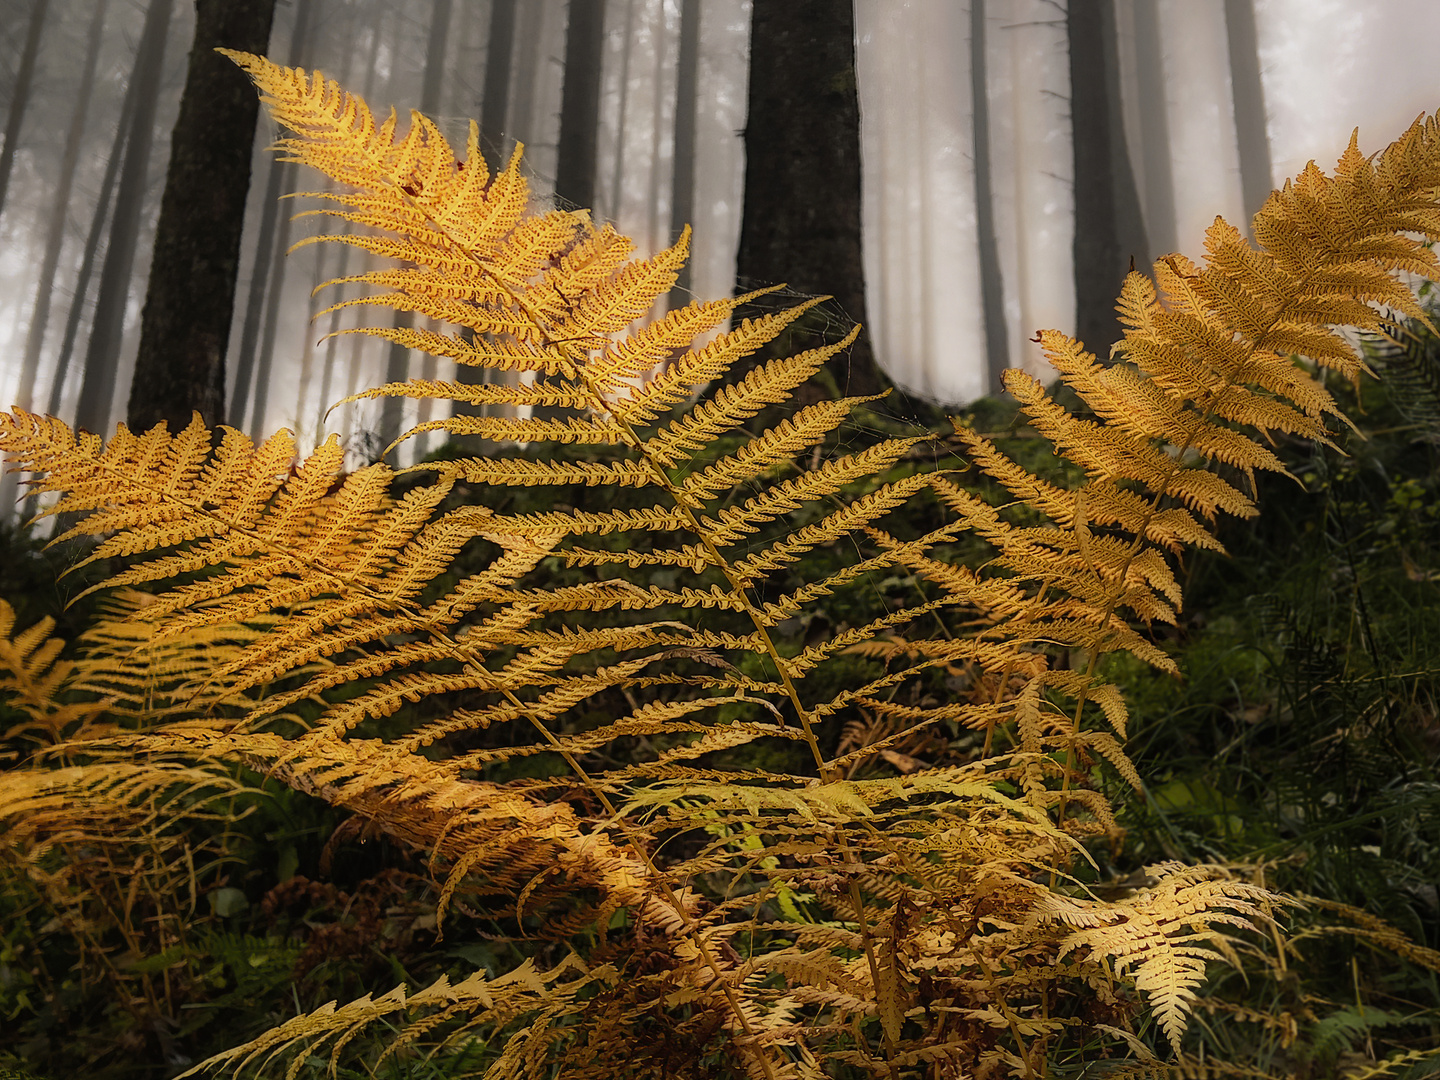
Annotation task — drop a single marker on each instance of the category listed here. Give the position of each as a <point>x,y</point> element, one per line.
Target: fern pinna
<point>819,902</point>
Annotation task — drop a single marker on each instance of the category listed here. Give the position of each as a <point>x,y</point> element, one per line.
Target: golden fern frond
<point>1160,935</point>
<point>31,677</point>
<point>561,747</point>
<point>518,993</point>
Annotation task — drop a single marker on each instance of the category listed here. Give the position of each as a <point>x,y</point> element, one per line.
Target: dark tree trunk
<point>60,211</point>
<point>1109,230</point>
<point>397,364</point>
<point>20,96</point>
<point>1154,129</point>
<point>267,278</point>
<point>682,188</point>
<point>801,220</point>
<point>992,286</point>
<point>92,248</point>
<point>495,93</point>
<point>102,355</point>
<point>433,81</point>
<point>494,108</point>
<point>190,298</point>
<point>580,103</point>
<point>1248,95</point>
<point>528,61</point>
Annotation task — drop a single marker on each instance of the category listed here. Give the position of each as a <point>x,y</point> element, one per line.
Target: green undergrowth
<point>1304,736</point>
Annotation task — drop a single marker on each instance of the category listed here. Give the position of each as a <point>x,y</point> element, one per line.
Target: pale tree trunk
<point>60,212</point>
<point>682,184</point>
<point>102,354</point>
<point>1109,229</point>
<point>20,95</point>
<point>267,288</point>
<point>397,366</point>
<point>1248,95</point>
<point>190,297</point>
<point>992,288</point>
<point>617,175</point>
<point>1154,129</point>
<point>801,220</point>
<point>322,261</point>
<point>332,337</point>
<point>653,237</point>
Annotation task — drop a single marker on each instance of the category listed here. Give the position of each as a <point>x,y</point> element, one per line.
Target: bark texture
<point>801,218</point>
<point>190,298</point>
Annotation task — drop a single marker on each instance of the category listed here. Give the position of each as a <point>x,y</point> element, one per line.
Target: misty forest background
<point>957,175</point>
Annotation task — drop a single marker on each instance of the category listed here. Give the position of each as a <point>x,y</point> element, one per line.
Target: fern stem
<point>663,881</point>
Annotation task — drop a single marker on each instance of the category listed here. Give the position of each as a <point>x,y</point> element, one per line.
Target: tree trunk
<point>1109,229</point>
<point>397,365</point>
<point>580,104</point>
<point>494,107</point>
<point>102,355</point>
<point>267,278</point>
<point>654,238</point>
<point>55,238</point>
<point>801,218</point>
<point>92,248</point>
<point>60,212</point>
<point>1154,129</point>
<point>992,286</point>
<point>332,337</point>
<point>20,96</point>
<point>682,185</point>
<point>1248,97</point>
<point>495,99</point>
<point>323,254</point>
<point>190,298</point>
<point>617,175</point>
<point>529,37</point>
